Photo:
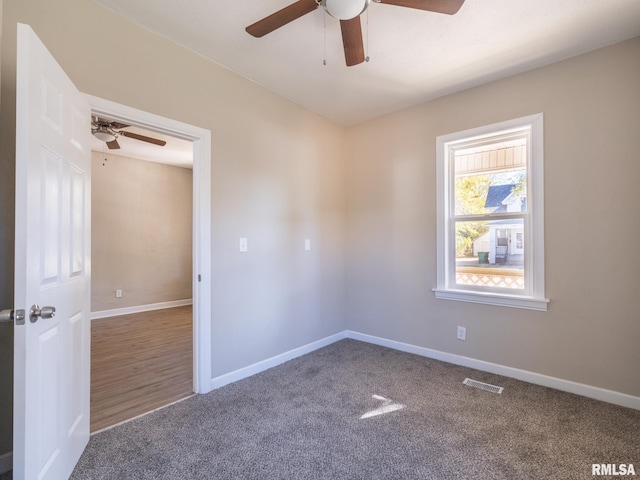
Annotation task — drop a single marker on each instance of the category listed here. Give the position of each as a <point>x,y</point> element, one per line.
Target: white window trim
<point>535,297</point>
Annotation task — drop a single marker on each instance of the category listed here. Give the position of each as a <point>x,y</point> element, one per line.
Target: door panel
<point>53,161</point>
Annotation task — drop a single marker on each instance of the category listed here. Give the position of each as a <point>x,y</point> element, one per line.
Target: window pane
<point>491,181</point>
<point>490,253</point>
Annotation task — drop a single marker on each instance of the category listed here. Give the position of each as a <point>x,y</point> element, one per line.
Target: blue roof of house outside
<point>496,194</point>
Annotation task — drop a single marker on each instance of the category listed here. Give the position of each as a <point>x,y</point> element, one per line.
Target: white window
<point>491,214</point>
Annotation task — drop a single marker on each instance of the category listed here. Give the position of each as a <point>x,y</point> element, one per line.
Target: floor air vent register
<point>482,386</point>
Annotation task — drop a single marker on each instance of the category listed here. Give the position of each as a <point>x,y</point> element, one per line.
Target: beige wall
<point>590,334</point>
<point>141,232</point>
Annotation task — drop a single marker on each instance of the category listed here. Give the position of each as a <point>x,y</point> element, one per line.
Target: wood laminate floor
<point>139,362</point>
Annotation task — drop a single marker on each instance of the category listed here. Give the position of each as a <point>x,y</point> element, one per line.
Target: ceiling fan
<point>348,12</point>
<point>108,132</point>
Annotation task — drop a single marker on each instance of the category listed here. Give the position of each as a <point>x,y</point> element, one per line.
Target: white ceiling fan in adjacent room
<point>111,137</point>
<point>109,131</point>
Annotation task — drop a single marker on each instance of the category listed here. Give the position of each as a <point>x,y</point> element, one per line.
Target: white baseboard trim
<point>140,308</point>
<point>597,393</point>
<point>6,462</point>
<point>245,372</point>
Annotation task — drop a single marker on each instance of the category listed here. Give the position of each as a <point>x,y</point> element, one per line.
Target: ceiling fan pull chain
<point>104,156</point>
<point>324,39</point>
<point>366,58</point>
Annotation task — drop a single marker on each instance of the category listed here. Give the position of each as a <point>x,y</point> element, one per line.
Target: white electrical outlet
<point>307,244</point>
<point>462,333</point>
<point>118,293</point>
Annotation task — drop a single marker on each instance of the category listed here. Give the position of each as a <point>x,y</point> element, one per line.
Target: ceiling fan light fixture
<point>104,135</point>
<point>345,9</point>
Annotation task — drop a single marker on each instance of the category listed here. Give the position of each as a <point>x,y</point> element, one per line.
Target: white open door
<point>52,267</point>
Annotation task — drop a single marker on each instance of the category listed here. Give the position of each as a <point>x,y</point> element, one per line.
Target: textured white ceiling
<point>415,55</point>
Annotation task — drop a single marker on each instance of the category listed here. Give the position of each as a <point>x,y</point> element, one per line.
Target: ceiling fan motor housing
<point>104,133</point>
<point>345,9</point>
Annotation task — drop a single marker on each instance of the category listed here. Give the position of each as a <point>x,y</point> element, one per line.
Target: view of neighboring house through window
<point>490,215</point>
<point>490,192</point>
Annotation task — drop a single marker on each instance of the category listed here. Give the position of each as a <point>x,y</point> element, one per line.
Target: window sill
<point>515,301</point>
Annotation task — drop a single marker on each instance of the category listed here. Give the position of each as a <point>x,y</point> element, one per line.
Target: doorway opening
<point>141,272</point>
<point>200,140</point>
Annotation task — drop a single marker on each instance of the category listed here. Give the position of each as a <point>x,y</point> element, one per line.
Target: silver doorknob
<point>44,312</point>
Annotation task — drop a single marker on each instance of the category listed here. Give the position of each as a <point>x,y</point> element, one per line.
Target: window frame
<point>532,296</point>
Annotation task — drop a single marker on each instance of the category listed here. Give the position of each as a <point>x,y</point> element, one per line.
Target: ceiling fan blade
<point>281,17</point>
<point>439,6</point>
<point>137,136</point>
<point>119,125</point>
<point>113,144</point>
<point>352,41</point>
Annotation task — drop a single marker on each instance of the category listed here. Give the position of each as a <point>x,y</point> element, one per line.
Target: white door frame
<point>201,139</point>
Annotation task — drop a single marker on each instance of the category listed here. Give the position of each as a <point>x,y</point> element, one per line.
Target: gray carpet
<point>301,420</point>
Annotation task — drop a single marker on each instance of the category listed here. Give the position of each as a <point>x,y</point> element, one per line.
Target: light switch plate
<point>461,334</point>
<point>243,244</point>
